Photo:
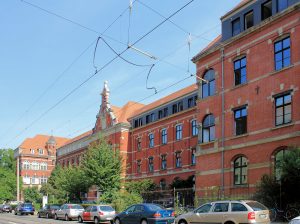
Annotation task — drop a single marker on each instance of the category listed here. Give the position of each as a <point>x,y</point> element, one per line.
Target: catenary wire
<point>91,76</point>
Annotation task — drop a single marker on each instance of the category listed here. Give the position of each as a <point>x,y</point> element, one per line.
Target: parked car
<point>145,214</point>
<point>227,212</point>
<point>295,220</point>
<point>6,208</point>
<point>97,213</point>
<point>68,212</point>
<point>24,209</point>
<point>48,211</point>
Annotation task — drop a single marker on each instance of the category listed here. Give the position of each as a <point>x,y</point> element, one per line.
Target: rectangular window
<point>282,51</point>
<point>266,10</point>
<point>194,128</point>
<point>164,162</point>
<point>150,163</point>
<point>249,20</point>
<point>240,72</point>
<point>283,113</point>
<point>178,131</point>
<point>282,5</point>
<point>152,117</point>
<point>178,159</point>
<point>160,114</point>
<point>193,157</point>
<point>136,123</point>
<point>139,144</point>
<point>140,122</point>
<point>139,166</point>
<point>148,119</point>
<point>240,119</point>
<point>174,109</point>
<point>164,136</point>
<point>236,27</point>
<point>190,102</point>
<point>151,140</point>
<point>180,106</point>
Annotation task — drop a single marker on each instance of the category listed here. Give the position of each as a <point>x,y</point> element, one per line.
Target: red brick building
<point>164,137</point>
<point>247,110</point>
<point>37,158</point>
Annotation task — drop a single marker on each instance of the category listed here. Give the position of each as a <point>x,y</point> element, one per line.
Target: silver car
<point>233,212</point>
<point>68,212</point>
<point>97,214</point>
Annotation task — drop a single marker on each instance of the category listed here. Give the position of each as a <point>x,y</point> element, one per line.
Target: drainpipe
<point>222,125</point>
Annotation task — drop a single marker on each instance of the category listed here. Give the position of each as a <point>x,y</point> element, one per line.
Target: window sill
<point>239,136</point>
<point>207,143</point>
<point>240,186</point>
<point>283,126</point>
<point>281,70</point>
<point>239,86</point>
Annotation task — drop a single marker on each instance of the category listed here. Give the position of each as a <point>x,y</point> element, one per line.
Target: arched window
<point>162,184</point>
<point>208,88</point>
<point>208,128</point>
<point>279,156</point>
<point>240,171</point>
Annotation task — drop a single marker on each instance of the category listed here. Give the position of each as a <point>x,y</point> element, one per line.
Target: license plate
<point>263,216</point>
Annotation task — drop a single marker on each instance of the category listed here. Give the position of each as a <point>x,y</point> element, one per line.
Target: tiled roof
<point>127,111</point>
<point>39,142</point>
<point>212,44</point>
<point>165,100</point>
<point>83,135</point>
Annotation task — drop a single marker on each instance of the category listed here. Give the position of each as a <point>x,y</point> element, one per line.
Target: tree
<point>102,166</point>
<point>8,179</point>
<point>140,186</point>
<point>32,194</point>
<point>284,190</point>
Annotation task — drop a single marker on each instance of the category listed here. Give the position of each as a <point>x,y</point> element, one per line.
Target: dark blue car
<point>145,214</point>
<point>24,209</point>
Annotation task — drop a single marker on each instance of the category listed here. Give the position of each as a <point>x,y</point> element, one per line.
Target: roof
<point>211,45</point>
<point>128,110</point>
<point>166,99</point>
<point>83,135</point>
<point>39,142</point>
<point>241,4</point>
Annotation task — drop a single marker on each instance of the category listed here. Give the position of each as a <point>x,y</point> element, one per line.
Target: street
<point>10,218</point>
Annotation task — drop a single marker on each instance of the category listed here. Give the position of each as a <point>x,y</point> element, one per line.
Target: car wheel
<point>117,221</point>
<point>96,220</point>
<point>55,217</point>
<point>144,221</point>
<point>47,216</point>
<point>80,219</point>
<point>182,222</point>
<point>66,217</point>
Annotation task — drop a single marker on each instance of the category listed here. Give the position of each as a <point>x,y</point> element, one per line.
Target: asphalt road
<point>10,218</point>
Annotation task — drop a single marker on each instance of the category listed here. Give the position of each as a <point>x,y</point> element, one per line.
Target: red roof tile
<point>39,142</point>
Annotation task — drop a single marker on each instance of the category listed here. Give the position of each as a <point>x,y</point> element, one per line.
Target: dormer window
<point>236,27</point>
<point>41,151</point>
<point>266,10</point>
<point>249,20</point>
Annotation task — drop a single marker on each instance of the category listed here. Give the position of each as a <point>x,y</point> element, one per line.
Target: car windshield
<point>76,207</point>
<point>54,207</point>
<point>256,206</point>
<point>106,208</point>
<point>27,205</point>
<point>155,207</point>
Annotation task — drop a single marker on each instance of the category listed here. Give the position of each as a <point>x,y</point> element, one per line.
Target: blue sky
<point>44,57</point>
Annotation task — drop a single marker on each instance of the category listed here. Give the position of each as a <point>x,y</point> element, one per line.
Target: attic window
<point>236,27</point>
<point>266,10</point>
<point>249,21</point>
<point>41,151</point>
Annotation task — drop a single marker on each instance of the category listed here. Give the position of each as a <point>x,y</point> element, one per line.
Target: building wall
<point>185,146</point>
<point>263,138</point>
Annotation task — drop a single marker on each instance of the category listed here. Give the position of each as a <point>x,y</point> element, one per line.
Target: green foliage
<point>102,166</point>
<point>180,183</point>
<point>285,190</point>
<point>32,194</point>
<point>8,179</point>
<point>140,186</point>
<point>121,200</point>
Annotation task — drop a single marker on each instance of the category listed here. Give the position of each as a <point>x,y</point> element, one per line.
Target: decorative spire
<point>51,141</point>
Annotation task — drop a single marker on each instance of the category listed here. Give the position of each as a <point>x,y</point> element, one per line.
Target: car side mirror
<point>126,213</point>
